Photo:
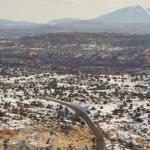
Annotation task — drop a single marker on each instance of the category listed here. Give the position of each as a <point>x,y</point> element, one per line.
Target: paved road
<point>97,131</point>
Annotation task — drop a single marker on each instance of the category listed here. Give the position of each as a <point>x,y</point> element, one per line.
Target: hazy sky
<point>45,10</point>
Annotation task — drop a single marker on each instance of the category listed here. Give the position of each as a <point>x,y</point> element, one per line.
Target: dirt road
<point>97,131</point>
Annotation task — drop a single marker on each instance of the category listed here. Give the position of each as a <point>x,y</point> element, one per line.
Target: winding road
<point>97,131</point>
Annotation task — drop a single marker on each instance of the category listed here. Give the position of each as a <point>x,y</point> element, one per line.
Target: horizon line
<point>57,19</point>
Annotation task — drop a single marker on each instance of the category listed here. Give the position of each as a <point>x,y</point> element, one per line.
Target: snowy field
<point>119,104</point>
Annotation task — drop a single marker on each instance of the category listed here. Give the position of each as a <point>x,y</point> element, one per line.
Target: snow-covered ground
<point>119,104</point>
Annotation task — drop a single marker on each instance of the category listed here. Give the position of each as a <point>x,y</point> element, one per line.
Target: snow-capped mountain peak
<point>131,14</point>
<point>140,9</point>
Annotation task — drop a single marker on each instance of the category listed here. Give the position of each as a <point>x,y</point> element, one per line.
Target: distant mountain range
<point>132,14</point>
<point>133,19</point>
<point>62,21</point>
<point>9,23</point>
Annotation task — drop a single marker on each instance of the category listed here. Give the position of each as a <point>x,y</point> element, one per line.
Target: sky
<point>42,11</point>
